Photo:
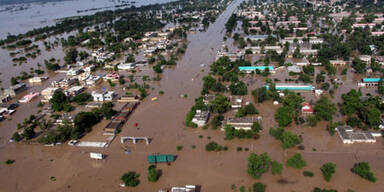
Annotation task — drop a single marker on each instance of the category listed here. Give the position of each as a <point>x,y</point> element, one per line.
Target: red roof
<point>306,108</point>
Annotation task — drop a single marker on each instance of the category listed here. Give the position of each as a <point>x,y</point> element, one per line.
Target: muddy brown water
<point>162,120</point>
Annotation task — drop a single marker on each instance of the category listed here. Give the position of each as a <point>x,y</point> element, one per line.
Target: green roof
<point>162,158</point>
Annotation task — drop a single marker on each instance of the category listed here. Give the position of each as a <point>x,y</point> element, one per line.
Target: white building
<point>48,93</point>
<point>126,66</point>
<point>201,118</point>
<point>104,96</point>
<point>349,136</point>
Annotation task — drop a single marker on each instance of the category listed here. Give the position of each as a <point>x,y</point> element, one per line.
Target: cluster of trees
<point>231,23</point>
<point>60,102</point>
<point>213,146</point>
<point>291,107</point>
<point>296,161</point>
<point>153,173</point>
<point>131,179</point>
<point>247,110</point>
<point>260,164</point>
<point>287,138</point>
<point>367,111</point>
<point>363,170</point>
<point>328,169</point>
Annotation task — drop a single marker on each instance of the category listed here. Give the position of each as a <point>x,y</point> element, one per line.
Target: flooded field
<point>162,120</point>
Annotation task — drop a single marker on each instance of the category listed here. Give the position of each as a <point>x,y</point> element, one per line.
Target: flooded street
<point>163,121</point>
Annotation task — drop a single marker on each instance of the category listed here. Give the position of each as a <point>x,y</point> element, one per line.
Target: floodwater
<point>162,120</point>
<point>15,20</point>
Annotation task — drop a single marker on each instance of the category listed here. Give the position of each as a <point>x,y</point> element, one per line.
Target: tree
<point>289,139</point>
<point>107,110</point>
<point>229,132</point>
<point>296,161</point>
<point>71,55</point>
<point>324,109</point>
<point>284,116</point>
<point>351,102</point>
<point>250,109</point>
<point>328,169</point>
<point>85,120</point>
<point>363,170</point>
<point>276,132</point>
<point>276,167</point>
<point>131,179</point>
<point>16,136</point>
<point>29,133</point>
<point>258,164</point>
<point>239,88</point>
<point>213,146</point>
<point>259,187</point>
<point>216,121</point>
<point>82,98</point>
<point>220,104</point>
<point>316,189</point>
<point>358,65</point>
<point>153,175</point>
<point>260,95</point>
<point>58,101</point>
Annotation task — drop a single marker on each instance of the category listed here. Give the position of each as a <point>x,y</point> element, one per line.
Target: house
<point>236,102</point>
<point>306,109</point>
<point>14,90</point>
<point>349,136</point>
<point>200,118</point>
<point>257,37</point>
<point>74,71</point>
<point>75,90</point>
<point>48,93</point>
<point>208,98</point>
<point>187,188</point>
<point>338,62</point>
<point>35,80</point>
<point>126,66</point>
<point>111,77</point>
<point>27,98</point>
<point>64,83</point>
<point>128,99</point>
<point>365,58</point>
<point>294,69</point>
<point>104,96</point>
<point>63,119</point>
<point>241,123</point>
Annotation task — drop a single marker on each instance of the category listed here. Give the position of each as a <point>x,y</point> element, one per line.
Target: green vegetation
<point>363,170</point>
<point>153,173</point>
<point>82,98</point>
<point>179,147</point>
<point>296,161</point>
<point>60,102</point>
<point>258,164</point>
<point>316,189</point>
<point>259,187</point>
<point>131,179</point>
<point>9,162</point>
<point>213,146</point>
<point>287,138</point>
<point>308,174</point>
<point>276,168</point>
<point>328,169</point>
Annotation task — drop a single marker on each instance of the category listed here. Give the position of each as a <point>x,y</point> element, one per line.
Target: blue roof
<point>254,68</point>
<point>371,80</point>
<point>293,88</point>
